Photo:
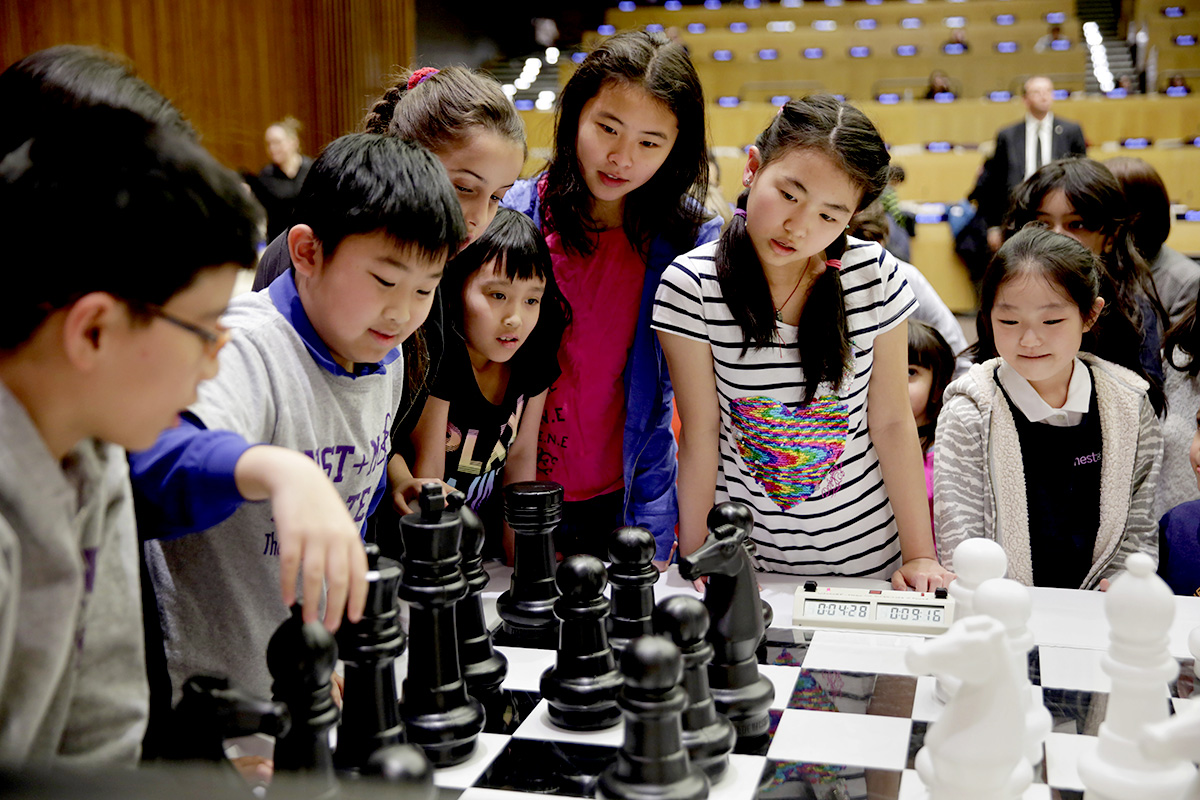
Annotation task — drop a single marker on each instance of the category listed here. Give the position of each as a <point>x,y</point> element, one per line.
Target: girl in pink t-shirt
<point>622,195</point>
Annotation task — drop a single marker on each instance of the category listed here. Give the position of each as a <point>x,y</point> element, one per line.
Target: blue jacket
<point>649,444</point>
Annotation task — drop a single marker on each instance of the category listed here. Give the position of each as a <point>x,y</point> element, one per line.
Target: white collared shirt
<point>1037,133</point>
<point>1035,409</point>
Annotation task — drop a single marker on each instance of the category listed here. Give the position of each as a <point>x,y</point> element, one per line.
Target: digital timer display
<point>837,609</point>
<point>934,615</point>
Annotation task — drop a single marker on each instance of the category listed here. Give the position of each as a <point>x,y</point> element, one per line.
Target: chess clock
<point>872,609</point>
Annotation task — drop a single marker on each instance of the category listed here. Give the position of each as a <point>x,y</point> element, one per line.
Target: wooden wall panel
<point>235,66</point>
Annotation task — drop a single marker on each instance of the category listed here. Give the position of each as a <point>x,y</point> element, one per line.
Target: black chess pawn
<point>438,714</point>
<point>403,766</point>
<point>652,764</point>
<point>533,509</point>
<point>581,688</point>
<point>735,613</point>
<point>300,658</point>
<point>708,737</point>
<point>369,648</point>
<point>483,668</point>
<point>632,576</point>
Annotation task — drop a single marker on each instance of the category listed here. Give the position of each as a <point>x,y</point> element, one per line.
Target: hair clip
<point>419,76</point>
<point>739,212</point>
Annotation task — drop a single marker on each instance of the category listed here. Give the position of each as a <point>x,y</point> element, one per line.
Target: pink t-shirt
<point>583,424</point>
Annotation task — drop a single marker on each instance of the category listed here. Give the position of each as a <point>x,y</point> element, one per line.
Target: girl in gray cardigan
<point>1048,450</point>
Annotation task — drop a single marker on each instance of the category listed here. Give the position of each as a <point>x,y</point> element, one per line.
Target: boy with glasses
<point>92,361</point>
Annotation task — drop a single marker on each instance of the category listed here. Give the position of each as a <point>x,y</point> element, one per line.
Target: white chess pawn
<point>1009,602</point>
<point>976,748</point>
<point>974,561</point>
<point>1140,607</point>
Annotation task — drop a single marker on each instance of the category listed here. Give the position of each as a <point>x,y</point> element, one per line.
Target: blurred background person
<point>277,184</point>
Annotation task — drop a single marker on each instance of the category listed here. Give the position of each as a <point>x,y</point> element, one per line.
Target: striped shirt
<point>809,473</point>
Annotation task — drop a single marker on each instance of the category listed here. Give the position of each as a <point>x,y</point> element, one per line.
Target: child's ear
<point>305,250</point>
<point>753,163</point>
<point>88,325</point>
<point>1097,307</point>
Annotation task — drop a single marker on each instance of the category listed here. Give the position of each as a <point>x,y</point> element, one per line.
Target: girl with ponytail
<point>787,346</point>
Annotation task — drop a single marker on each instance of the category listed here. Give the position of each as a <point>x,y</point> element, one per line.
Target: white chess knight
<point>976,749</point>
<point>1179,736</point>
<point>974,561</point>
<point>1140,607</point>
<point>1009,602</point>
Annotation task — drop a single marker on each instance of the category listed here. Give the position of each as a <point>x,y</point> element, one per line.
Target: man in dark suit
<point>1020,150</point>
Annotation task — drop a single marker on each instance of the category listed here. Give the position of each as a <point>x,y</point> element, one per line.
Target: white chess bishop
<point>1009,602</point>
<point>1140,607</point>
<point>976,749</point>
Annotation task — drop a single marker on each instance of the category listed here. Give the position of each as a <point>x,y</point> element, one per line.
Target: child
<point>930,368</point>
<point>1081,198</point>
<point>622,195</point>
<point>1179,535</point>
<point>790,364</point>
<point>1181,363</point>
<point>464,119</point>
<point>506,318</point>
<point>303,405</point>
<point>1044,447</point>
<point>96,354</point>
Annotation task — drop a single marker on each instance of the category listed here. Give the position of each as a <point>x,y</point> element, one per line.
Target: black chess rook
<point>300,658</point>
<point>740,691</point>
<point>369,648</point>
<point>632,576</point>
<point>581,688</point>
<point>533,509</point>
<point>653,763</point>
<point>438,713</point>
<point>708,736</point>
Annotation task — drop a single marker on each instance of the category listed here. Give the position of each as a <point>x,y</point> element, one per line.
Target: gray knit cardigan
<point>979,477</point>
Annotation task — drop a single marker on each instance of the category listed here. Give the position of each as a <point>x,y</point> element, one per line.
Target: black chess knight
<point>734,606</point>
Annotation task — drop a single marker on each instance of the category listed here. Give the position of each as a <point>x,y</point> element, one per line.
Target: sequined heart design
<point>788,451</point>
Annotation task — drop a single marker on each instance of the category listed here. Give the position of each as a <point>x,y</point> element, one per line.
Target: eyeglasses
<point>213,341</point>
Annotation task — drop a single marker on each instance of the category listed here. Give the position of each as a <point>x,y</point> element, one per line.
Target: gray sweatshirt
<point>72,660</point>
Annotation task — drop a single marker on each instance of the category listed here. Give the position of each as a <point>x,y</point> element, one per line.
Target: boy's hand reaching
<point>315,531</point>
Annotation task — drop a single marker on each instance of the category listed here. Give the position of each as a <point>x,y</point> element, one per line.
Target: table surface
<point>1061,617</point>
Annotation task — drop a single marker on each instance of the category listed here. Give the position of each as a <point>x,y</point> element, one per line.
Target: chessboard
<point>847,720</point>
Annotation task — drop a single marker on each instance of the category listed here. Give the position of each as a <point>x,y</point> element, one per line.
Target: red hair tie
<point>836,263</point>
<point>419,76</point>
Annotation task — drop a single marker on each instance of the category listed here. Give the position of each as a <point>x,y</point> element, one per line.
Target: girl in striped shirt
<point>787,345</point>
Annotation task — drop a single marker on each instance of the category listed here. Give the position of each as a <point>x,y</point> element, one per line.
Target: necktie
<point>1037,147</point>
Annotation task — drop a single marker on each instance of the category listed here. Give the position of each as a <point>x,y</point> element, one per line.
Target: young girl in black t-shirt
<point>506,317</point>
